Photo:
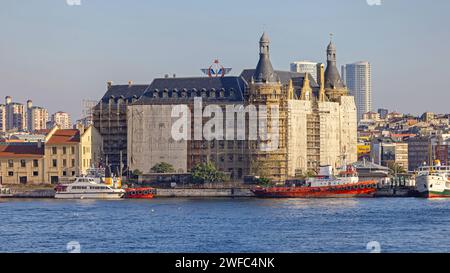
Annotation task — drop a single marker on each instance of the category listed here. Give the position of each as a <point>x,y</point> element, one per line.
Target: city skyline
<point>50,54</point>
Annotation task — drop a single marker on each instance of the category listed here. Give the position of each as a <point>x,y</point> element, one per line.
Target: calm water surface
<point>225,225</point>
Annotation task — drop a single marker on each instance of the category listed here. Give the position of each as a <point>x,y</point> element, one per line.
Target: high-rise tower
<point>357,77</point>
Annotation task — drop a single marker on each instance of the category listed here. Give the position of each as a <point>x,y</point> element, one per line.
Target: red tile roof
<point>42,131</point>
<point>22,150</point>
<point>65,136</point>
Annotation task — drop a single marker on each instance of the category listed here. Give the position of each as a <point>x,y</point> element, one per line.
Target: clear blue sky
<point>57,54</point>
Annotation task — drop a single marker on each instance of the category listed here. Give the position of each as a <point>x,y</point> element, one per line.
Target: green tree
<point>265,182</point>
<point>207,172</point>
<point>395,168</point>
<point>137,172</point>
<point>162,167</point>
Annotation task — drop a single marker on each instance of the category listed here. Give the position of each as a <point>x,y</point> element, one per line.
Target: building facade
<point>58,157</point>
<point>37,117</point>
<point>91,149</point>
<point>358,78</point>
<point>15,115</point>
<point>316,122</point>
<point>62,149</point>
<point>312,68</point>
<point>386,152</point>
<point>21,163</point>
<point>110,119</point>
<point>2,118</point>
<point>419,149</point>
<point>383,113</point>
<point>62,120</point>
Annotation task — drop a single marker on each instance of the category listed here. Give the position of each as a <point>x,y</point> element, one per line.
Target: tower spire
<point>332,77</point>
<point>334,87</point>
<point>264,72</point>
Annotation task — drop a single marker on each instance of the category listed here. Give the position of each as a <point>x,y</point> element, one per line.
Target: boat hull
<point>362,189</point>
<point>432,186</point>
<point>435,194</point>
<point>101,195</point>
<point>139,193</point>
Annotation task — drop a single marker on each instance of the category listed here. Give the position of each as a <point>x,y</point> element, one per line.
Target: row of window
<point>23,163</point>
<point>11,173</point>
<point>35,162</point>
<point>36,173</point>
<point>64,150</point>
<point>91,188</point>
<point>64,163</point>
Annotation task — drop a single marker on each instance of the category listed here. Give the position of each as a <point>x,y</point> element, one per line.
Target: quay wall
<point>30,194</point>
<point>396,192</point>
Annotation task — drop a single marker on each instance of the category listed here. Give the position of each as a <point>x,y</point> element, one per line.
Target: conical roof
<point>264,70</point>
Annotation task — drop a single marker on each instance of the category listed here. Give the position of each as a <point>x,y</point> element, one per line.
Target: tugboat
<point>140,193</point>
<point>433,181</point>
<point>324,185</point>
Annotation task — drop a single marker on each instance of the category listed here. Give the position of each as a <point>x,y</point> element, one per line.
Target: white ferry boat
<point>87,188</point>
<point>433,181</point>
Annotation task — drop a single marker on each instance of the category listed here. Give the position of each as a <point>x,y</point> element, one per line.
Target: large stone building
<point>316,121</point>
<point>110,119</point>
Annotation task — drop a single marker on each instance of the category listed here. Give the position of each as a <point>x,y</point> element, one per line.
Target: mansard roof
<point>172,90</point>
<point>283,76</point>
<point>126,91</point>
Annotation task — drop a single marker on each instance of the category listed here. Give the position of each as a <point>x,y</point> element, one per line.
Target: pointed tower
<point>306,93</point>
<point>266,91</point>
<point>265,86</point>
<point>334,87</point>
<point>264,71</point>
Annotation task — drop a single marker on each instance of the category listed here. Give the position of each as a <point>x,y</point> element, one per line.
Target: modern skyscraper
<point>37,117</point>
<point>306,67</point>
<point>358,78</point>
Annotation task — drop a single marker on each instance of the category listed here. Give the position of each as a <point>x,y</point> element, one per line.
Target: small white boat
<point>87,188</point>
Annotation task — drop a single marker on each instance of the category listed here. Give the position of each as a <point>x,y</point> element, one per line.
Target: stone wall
<point>297,135</point>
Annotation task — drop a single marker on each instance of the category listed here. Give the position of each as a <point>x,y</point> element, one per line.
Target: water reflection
<point>305,203</point>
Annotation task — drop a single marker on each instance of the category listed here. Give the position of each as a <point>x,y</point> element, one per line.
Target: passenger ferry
<point>324,185</point>
<point>433,181</point>
<point>87,188</point>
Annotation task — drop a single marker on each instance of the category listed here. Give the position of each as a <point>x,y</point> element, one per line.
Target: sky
<point>59,54</point>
